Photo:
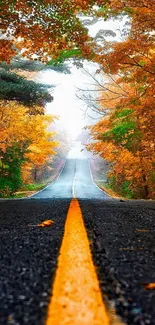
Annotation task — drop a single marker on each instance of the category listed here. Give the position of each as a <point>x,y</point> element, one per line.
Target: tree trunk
<point>35,174</point>
<point>145,187</point>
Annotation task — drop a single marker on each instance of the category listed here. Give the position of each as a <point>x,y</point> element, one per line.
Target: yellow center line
<point>76,296</point>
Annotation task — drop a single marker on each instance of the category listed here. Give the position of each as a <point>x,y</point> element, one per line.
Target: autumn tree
<point>50,31</point>
<point>124,140</point>
<point>126,137</point>
<point>24,140</point>
<point>55,21</point>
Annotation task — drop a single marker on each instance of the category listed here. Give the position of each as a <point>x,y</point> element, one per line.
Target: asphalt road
<point>75,180</point>
<point>122,238</point>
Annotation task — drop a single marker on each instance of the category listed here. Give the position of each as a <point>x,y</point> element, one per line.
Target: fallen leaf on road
<point>131,248</point>
<point>142,230</point>
<point>46,223</point>
<point>149,286</point>
<point>126,249</point>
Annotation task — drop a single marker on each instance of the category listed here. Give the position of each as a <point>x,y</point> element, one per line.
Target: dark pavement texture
<point>122,236</point>
<point>28,258</point>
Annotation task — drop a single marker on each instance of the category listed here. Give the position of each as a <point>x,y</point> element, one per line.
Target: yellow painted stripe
<point>76,296</point>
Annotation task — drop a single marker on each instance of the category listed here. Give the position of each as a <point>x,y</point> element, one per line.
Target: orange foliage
<point>126,137</point>
<point>43,28</point>
<point>29,132</point>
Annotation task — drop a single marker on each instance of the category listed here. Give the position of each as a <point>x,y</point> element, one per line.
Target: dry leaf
<point>142,230</point>
<point>150,286</point>
<point>131,248</point>
<point>126,248</point>
<point>46,223</point>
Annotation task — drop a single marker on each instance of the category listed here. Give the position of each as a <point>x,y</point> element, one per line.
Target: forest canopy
<point>55,21</point>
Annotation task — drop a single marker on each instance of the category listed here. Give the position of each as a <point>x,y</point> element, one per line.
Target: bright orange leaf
<point>46,223</point>
<point>150,286</point>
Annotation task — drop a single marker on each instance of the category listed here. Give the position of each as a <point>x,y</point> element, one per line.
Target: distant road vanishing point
<point>75,180</point>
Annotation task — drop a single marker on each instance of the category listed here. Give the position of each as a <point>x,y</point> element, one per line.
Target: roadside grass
<point>99,171</point>
<point>33,187</point>
<point>107,189</point>
<point>29,189</point>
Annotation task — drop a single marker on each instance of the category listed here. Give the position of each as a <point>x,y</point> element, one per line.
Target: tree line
<point>126,136</point>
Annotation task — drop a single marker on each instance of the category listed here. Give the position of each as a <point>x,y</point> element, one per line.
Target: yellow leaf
<point>46,223</point>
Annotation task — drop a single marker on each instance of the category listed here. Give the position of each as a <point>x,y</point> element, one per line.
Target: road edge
<point>55,180</point>
<point>31,196</point>
<point>91,174</point>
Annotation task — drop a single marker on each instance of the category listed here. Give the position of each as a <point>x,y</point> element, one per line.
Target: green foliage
<point>101,10</point>
<point>112,182</point>
<point>153,177</point>
<point>65,55</point>
<point>26,188</point>
<point>33,187</point>
<point>6,187</point>
<point>33,65</point>
<point>124,112</point>
<point>60,68</point>
<point>14,87</point>
<point>10,171</point>
<point>142,63</point>
<point>126,190</point>
<point>129,10</point>
<point>123,188</point>
<point>120,132</point>
<point>22,64</point>
<point>123,129</point>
